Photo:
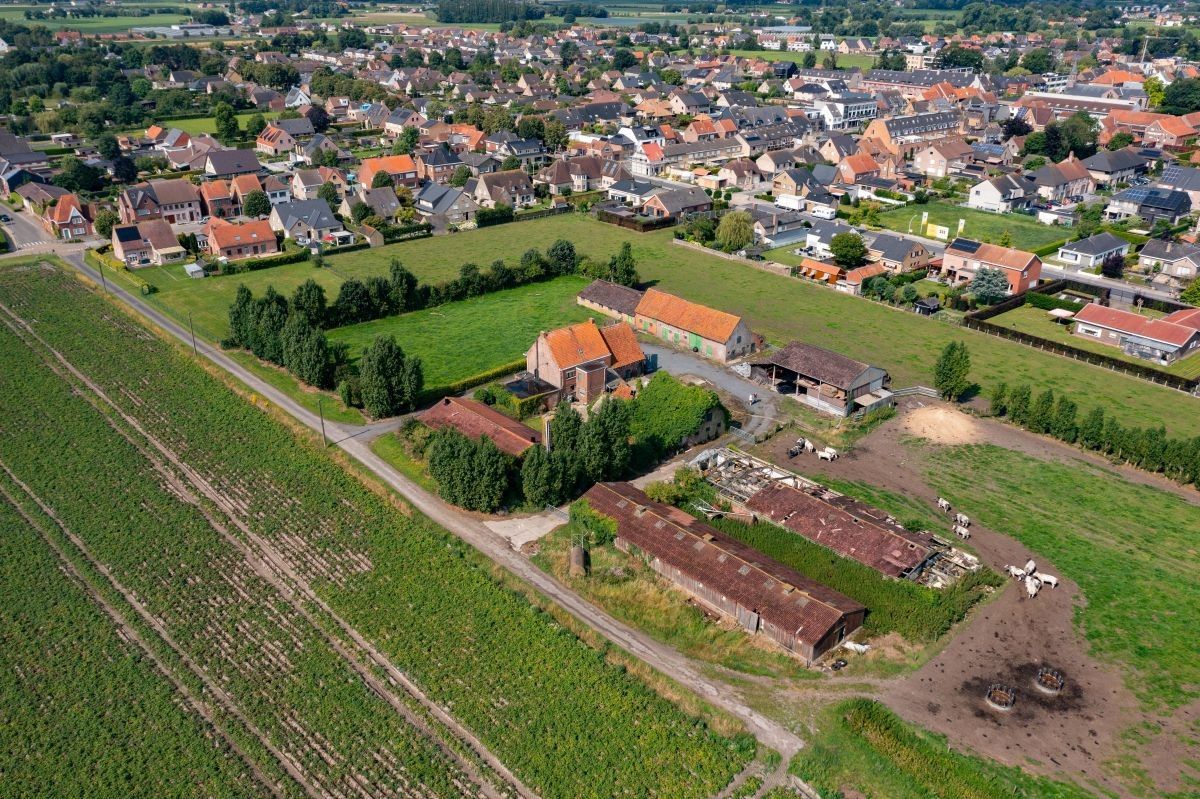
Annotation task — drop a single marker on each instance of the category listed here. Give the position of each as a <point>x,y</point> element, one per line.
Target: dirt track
<point>1009,638</point>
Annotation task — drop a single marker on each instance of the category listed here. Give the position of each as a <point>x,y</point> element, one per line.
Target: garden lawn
<point>780,308</point>
<point>860,60</point>
<point>462,339</point>
<point>1027,233</point>
<point>200,125</point>
<point>1037,322</point>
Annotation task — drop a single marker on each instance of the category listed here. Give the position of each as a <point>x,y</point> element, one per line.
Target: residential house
<point>277,188</point>
<point>512,188</point>
<point>307,182</point>
<point>1163,341</point>
<point>857,167</point>
<point>1151,203</point>
<point>904,135</point>
<point>229,163</point>
<point>714,334</point>
<point>67,219</point>
<point>383,202</point>
<point>1176,259</point>
<point>1110,167</point>
<point>437,164</point>
<point>1062,181</point>
<point>313,151</point>
<point>677,203</point>
<point>244,240</point>
<point>218,200</point>
<point>941,158</point>
<point>898,254</point>
<point>1093,251</point>
<point>582,173</point>
<point>1003,194</point>
<point>275,141</point>
<point>582,360</point>
<point>857,278</point>
<point>847,110</point>
<point>402,169</point>
<point>964,258</point>
<point>1181,178</point>
<point>174,200</point>
<point>443,205</point>
<point>305,221</point>
<point>147,242</point>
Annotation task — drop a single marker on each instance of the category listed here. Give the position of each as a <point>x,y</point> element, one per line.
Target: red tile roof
<point>622,343</point>
<point>476,420</point>
<point>1168,332</point>
<point>677,312</point>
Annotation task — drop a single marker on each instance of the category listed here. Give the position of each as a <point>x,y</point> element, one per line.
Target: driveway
<point>683,362</point>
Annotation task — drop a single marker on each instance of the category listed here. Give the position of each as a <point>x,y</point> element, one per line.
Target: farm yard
<point>279,513</point>
<point>779,307</point>
<point>469,337</point>
<point>1116,626</point>
<point>1027,233</point>
<point>1037,322</point>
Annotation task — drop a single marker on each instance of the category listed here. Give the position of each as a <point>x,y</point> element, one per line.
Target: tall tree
<point>105,221</point>
<point>391,381</point>
<point>989,286</point>
<point>226,123</point>
<point>562,258</point>
<point>951,373</point>
<point>308,302</point>
<point>848,249</point>
<point>735,231</point>
<point>256,204</point>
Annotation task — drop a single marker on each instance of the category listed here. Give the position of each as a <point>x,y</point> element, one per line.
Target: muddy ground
<point>1006,640</point>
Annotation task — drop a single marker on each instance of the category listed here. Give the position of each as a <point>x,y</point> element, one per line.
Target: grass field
<point>93,24</point>
<point>560,714</point>
<point>780,308</point>
<point>85,713</point>
<point>1037,322</point>
<point>200,124</point>
<point>863,749</point>
<point>466,338</point>
<point>1132,549</point>
<point>1027,233</point>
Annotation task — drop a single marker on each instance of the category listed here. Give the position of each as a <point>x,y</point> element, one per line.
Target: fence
<point>523,216</point>
<point>634,223</point>
<point>766,266</point>
<point>922,391</point>
<point>978,321</point>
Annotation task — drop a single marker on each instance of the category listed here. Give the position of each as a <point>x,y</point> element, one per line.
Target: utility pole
<point>100,267</point>
<point>321,413</point>
<point>192,330</point>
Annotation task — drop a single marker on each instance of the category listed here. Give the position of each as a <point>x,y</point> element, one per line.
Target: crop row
<point>562,718</point>
<point>83,712</point>
<point>234,625</point>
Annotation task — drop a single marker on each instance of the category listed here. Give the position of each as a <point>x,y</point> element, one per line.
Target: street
<point>26,236</point>
<point>350,438</point>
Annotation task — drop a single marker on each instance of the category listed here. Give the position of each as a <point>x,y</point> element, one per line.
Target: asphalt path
<point>353,439</point>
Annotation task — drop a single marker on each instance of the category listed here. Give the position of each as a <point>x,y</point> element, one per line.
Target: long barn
<point>737,581</point>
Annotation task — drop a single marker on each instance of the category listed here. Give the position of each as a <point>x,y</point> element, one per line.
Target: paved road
<point>682,362</point>
<point>1121,291</point>
<point>25,235</point>
<point>350,439</point>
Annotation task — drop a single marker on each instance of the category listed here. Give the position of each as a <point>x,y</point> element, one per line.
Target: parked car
<point>5,218</point>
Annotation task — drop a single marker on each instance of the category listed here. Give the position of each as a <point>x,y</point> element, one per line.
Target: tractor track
<point>271,566</point>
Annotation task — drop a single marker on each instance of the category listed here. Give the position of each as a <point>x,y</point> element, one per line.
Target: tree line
<point>1146,448</point>
<point>289,333</point>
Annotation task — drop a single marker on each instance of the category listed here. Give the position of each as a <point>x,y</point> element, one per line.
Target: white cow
<point>1032,585</point>
<point>944,504</point>
<point>963,532</point>
<point>963,519</point>
<point>1015,573</point>
<point>1030,566</point>
<point>1048,579</point>
<point>828,454</point>
<point>809,446</point>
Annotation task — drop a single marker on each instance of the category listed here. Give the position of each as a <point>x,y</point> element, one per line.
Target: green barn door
<point>693,341</point>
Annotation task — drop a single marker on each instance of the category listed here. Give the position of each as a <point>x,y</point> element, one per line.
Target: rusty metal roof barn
<point>843,524</point>
<point>764,595</point>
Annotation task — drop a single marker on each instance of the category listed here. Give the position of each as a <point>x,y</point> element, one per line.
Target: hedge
<point>1049,249</point>
<point>459,386</point>
<point>234,267</point>
<point>100,261</point>
<point>1048,303</point>
<point>362,245</point>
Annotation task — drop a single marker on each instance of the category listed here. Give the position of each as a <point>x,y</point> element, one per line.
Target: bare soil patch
<point>1069,735</point>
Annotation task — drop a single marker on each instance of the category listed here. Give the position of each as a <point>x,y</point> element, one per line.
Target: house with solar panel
<point>1150,203</point>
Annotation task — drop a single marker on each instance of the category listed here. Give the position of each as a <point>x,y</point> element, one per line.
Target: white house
<point>1092,251</point>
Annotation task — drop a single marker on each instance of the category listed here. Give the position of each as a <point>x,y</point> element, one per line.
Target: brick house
<point>581,360</point>
<point>67,219</point>
<point>402,168</point>
<point>150,241</point>
<point>964,258</point>
<point>245,240</point>
<point>175,201</point>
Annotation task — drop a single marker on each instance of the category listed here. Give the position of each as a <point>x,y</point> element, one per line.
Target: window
<point>568,374</point>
